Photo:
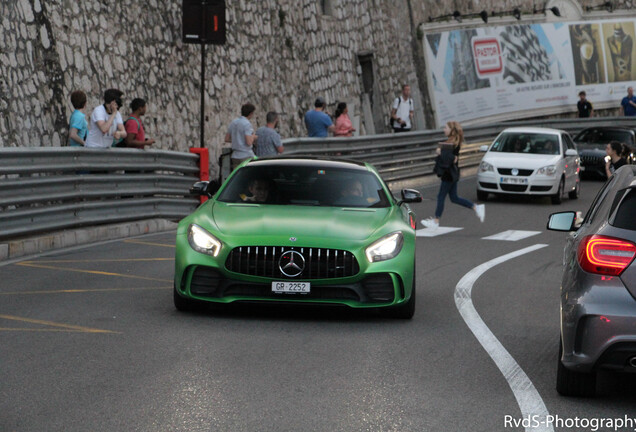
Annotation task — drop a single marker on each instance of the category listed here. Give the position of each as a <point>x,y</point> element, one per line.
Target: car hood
<point>587,150</point>
<point>519,160</point>
<point>254,220</point>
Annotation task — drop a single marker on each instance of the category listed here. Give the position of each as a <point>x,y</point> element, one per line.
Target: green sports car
<point>299,230</point>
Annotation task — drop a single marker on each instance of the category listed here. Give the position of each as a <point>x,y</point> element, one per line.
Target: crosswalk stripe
<point>434,232</point>
<point>512,235</point>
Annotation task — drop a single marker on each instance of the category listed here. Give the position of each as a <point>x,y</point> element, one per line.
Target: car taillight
<point>605,255</point>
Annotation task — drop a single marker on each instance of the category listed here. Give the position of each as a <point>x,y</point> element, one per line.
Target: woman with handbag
<point>447,168</point>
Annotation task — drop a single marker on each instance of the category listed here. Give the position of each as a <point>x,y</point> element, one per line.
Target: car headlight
<point>386,248</point>
<point>485,166</point>
<point>547,170</point>
<point>202,241</point>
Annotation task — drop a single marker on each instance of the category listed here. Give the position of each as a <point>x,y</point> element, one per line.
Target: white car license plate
<point>514,180</point>
<point>291,287</point>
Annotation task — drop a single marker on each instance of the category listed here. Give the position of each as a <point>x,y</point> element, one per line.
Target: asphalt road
<point>90,341</point>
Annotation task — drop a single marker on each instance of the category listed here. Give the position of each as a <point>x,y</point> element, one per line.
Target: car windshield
<point>530,143</point>
<point>603,136</point>
<point>308,185</point>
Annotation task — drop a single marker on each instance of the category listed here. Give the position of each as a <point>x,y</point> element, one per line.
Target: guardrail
<point>411,155</point>
<point>47,189</point>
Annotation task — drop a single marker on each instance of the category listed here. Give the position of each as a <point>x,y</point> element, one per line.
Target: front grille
<point>589,160</point>
<point>205,281</point>
<point>508,171</point>
<point>540,188</point>
<point>513,188</point>
<point>488,185</point>
<point>319,263</point>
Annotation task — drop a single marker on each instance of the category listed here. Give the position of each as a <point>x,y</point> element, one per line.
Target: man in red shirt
<point>136,136</point>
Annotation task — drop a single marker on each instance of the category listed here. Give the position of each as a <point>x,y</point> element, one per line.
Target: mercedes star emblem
<point>291,263</point>
<point>293,239</point>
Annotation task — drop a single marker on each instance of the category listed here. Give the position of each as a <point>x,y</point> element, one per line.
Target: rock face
<point>279,56</point>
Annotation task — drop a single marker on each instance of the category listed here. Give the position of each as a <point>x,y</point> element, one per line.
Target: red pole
<point>204,166</point>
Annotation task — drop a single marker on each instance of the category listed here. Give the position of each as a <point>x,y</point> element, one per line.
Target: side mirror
<point>571,152</point>
<point>563,221</point>
<point>483,148</point>
<point>205,188</point>
<point>410,196</point>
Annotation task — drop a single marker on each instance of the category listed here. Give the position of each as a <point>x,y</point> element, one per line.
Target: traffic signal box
<point>204,22</point>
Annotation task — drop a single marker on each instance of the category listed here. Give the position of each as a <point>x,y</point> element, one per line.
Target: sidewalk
<point>16,248</point>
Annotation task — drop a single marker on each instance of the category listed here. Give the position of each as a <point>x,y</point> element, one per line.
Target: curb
<point>17,248</point>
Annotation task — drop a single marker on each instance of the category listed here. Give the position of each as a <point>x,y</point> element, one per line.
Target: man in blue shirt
<point>629,103</point>
<point>318,123</point>
<point>241,134</point>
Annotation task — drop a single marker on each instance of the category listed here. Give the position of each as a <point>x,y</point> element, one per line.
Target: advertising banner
<point>489,71</point>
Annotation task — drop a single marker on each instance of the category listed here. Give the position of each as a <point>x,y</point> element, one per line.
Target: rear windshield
<point>305,185</point>
<point>625,216</point>
<point>531,143</point>
<point>603,136</point>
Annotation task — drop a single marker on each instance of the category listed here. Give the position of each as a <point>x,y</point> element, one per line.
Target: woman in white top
<point>106,124</point>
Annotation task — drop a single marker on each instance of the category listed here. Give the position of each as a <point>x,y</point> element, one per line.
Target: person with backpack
<point>136,135</point>
<point>447,168</point>
<point>402,111</point>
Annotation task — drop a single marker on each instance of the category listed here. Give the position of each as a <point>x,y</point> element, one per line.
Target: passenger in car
<point>259,190</point>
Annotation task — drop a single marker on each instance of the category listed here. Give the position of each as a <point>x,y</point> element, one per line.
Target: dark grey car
<point>598,289</point>
<point>591,143</point>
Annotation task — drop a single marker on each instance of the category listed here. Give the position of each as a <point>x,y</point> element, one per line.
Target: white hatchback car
<point>530,161</point>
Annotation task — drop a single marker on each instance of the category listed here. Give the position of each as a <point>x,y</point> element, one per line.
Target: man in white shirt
<point>402,111</point>
<point>106,124</point>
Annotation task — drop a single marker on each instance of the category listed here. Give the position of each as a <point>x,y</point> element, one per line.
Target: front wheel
<point>482,195</point>
<point>574,194</point>
<point>558,197</point>
<point>183,304</point>
<point>405,310</point>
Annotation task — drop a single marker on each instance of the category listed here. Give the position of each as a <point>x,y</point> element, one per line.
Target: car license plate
<point>514,180</point>
<point>291,287</point>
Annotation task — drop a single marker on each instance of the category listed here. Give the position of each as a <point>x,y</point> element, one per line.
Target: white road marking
<point>512,235</point>
<point>527,396</point>
<point>434,232</point>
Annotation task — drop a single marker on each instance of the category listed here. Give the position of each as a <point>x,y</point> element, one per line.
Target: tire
<point>576,192</point>
<point>405,310</point>
<point>558,197</point>
<point>572,383</point>
<point>184,304</point>
<point>482,195</point>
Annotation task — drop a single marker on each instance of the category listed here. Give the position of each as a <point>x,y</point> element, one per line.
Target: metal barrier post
<point>204,166</point>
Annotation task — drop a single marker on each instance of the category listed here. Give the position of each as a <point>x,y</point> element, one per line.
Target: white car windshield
<point>531,143</point>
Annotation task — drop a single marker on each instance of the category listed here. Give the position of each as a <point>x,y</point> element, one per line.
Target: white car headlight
<point>386,248</point>
<point>202,241</point>
<point>547,170</point>
<point>485,166</point>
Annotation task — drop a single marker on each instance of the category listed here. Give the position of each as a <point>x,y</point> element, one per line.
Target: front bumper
<point>598,323</point>
<point>533,184</point>
<point>370,290</point>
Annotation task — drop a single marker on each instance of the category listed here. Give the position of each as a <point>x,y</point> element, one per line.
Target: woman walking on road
<point>447,167</point>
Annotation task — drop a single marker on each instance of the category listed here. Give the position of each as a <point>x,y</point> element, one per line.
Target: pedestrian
<point>447,167</point>
<point>268,142</point>
<point>318,122</point>
<point>344,127</point>
<point>241,134</point>
<point>584,106</point>
<point>402,111</point>
<point>106,124</point>
<point>135,132</point>
<point>628,104</point>
<point>78,126</point>
<point>615,157</point>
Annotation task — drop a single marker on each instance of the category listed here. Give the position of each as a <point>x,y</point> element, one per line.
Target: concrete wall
<point>279,55</point>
